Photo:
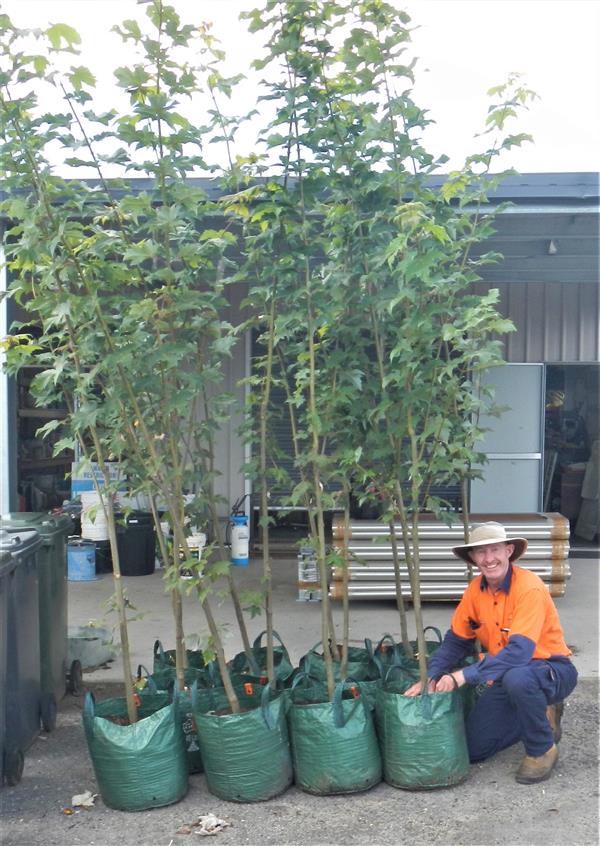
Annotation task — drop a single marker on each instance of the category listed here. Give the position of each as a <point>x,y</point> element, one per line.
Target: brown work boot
<point>554,714</point>
<point>537,769</point>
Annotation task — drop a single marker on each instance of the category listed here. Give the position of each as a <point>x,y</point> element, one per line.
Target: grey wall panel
<point>229,447</point>
<point>555,322</point>
<point>509,486</point>
<point>589,326</point>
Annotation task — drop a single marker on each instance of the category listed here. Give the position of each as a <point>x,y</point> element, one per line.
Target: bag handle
<point>369,646</point>
<point>376,659</point>
<point>151,685</point>
<point>390,638</point>
<point>338,710</point>
<point>301,676</point>
<point>258,638</point>
<point>89,705</point>
<point>265,707</point>
<point>436,632</point>
<point>390,670</point>
<point>424,704</point>
<point>158,650</point>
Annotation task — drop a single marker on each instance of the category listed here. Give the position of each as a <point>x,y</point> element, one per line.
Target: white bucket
<point>93,527</point>
<point>196,544</point>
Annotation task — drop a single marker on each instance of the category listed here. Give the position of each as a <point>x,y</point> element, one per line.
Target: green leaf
<point>80,76</point>
<point>57,33</point>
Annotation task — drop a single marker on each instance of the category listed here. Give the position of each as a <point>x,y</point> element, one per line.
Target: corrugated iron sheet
<point>555,322</point>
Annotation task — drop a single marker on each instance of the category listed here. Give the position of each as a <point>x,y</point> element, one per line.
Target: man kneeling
<point>527,670</point>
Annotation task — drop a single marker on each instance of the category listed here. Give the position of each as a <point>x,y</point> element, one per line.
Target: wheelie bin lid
<point>17,542</point>
<point>44,522</point>
<point>7,563</point>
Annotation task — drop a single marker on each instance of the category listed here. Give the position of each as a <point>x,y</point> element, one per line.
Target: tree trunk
<point>399,597</point>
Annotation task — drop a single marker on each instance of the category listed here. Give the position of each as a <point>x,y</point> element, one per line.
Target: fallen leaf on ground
<point>84,800</point>
<point>206,824</point>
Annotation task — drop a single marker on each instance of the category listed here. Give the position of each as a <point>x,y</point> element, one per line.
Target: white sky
<point>464,47</point>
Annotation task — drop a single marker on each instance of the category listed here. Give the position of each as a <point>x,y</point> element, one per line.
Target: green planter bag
<point>386,654</point>
<point>334,745</point>
<point>188,724</point>
<point>164,671</point>
<point>164,659</point>
<point>422,738</point>
<point>305,690</point>
<point>360,664</point>
<point>412,664</point>
<point>166,677</point>
<point>246,756</point>
<point>137,766</point>
<point>283,666</point>
<point>212,697</point>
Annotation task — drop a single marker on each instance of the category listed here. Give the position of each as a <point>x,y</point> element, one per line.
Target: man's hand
<point>450,681</point>
<point>447,683</point>
<point>415,689</point>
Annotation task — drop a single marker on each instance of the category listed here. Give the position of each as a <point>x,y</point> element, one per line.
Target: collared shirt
<point>515,623</point>
<point>505,586</point>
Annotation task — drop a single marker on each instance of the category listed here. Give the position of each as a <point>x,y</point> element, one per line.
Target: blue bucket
<point>81,561</point>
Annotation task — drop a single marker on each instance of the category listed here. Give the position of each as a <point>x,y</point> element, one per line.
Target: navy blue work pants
<point>514,708</point>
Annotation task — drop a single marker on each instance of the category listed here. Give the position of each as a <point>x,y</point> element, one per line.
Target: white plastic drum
<point>93,520</point>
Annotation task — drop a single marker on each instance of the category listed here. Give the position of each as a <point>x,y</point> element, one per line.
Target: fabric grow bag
<point>184,711</point>
<point>360,664</point>
<point>283,665</point>
<point>412,664</point>
<point>212,697</point>
<point>137,766</point>
<point>422,738</point>
<point>386,654</point>
<point>166,659</point>
<point>246,756</point>
<point>334,745</point>
<point>164,670</point>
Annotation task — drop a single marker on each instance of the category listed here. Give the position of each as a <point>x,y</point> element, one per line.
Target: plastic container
<point>137,544</point>
<point>55,674</point>
<point>22,689</point>
<point>94,525</point>
<point>81,557</point>
<point>195,544</point>
<point>240,539</point>
<point>103,557</point>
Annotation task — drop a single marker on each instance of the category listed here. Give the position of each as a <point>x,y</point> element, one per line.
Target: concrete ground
<point>489,808</point>
<point>298,623</point>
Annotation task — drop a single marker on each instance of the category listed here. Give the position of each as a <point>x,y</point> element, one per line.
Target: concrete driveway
<point>489,808</point>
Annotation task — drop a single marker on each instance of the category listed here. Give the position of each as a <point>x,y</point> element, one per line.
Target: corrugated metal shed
<point>556,322</point>
<point>549,279</point>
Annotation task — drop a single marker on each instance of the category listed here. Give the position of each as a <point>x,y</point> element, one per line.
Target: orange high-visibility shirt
<point>526,609</point>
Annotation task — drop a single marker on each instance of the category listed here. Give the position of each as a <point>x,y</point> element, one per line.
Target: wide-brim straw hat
<point>487,533</point>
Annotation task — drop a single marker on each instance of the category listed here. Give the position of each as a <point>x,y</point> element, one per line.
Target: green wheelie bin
<point>22,689</point>
<point>11,755</point>
<point>56,677</point>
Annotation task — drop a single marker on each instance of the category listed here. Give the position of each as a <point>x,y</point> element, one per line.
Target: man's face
<point>492,561</point>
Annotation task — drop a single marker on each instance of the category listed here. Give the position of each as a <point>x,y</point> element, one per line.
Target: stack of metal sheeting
<point>443,576</point>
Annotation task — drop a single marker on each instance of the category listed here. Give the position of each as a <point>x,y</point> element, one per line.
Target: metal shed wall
<point>556,322</point>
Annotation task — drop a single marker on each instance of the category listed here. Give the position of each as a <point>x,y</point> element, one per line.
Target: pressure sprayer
<point>240,535</point>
